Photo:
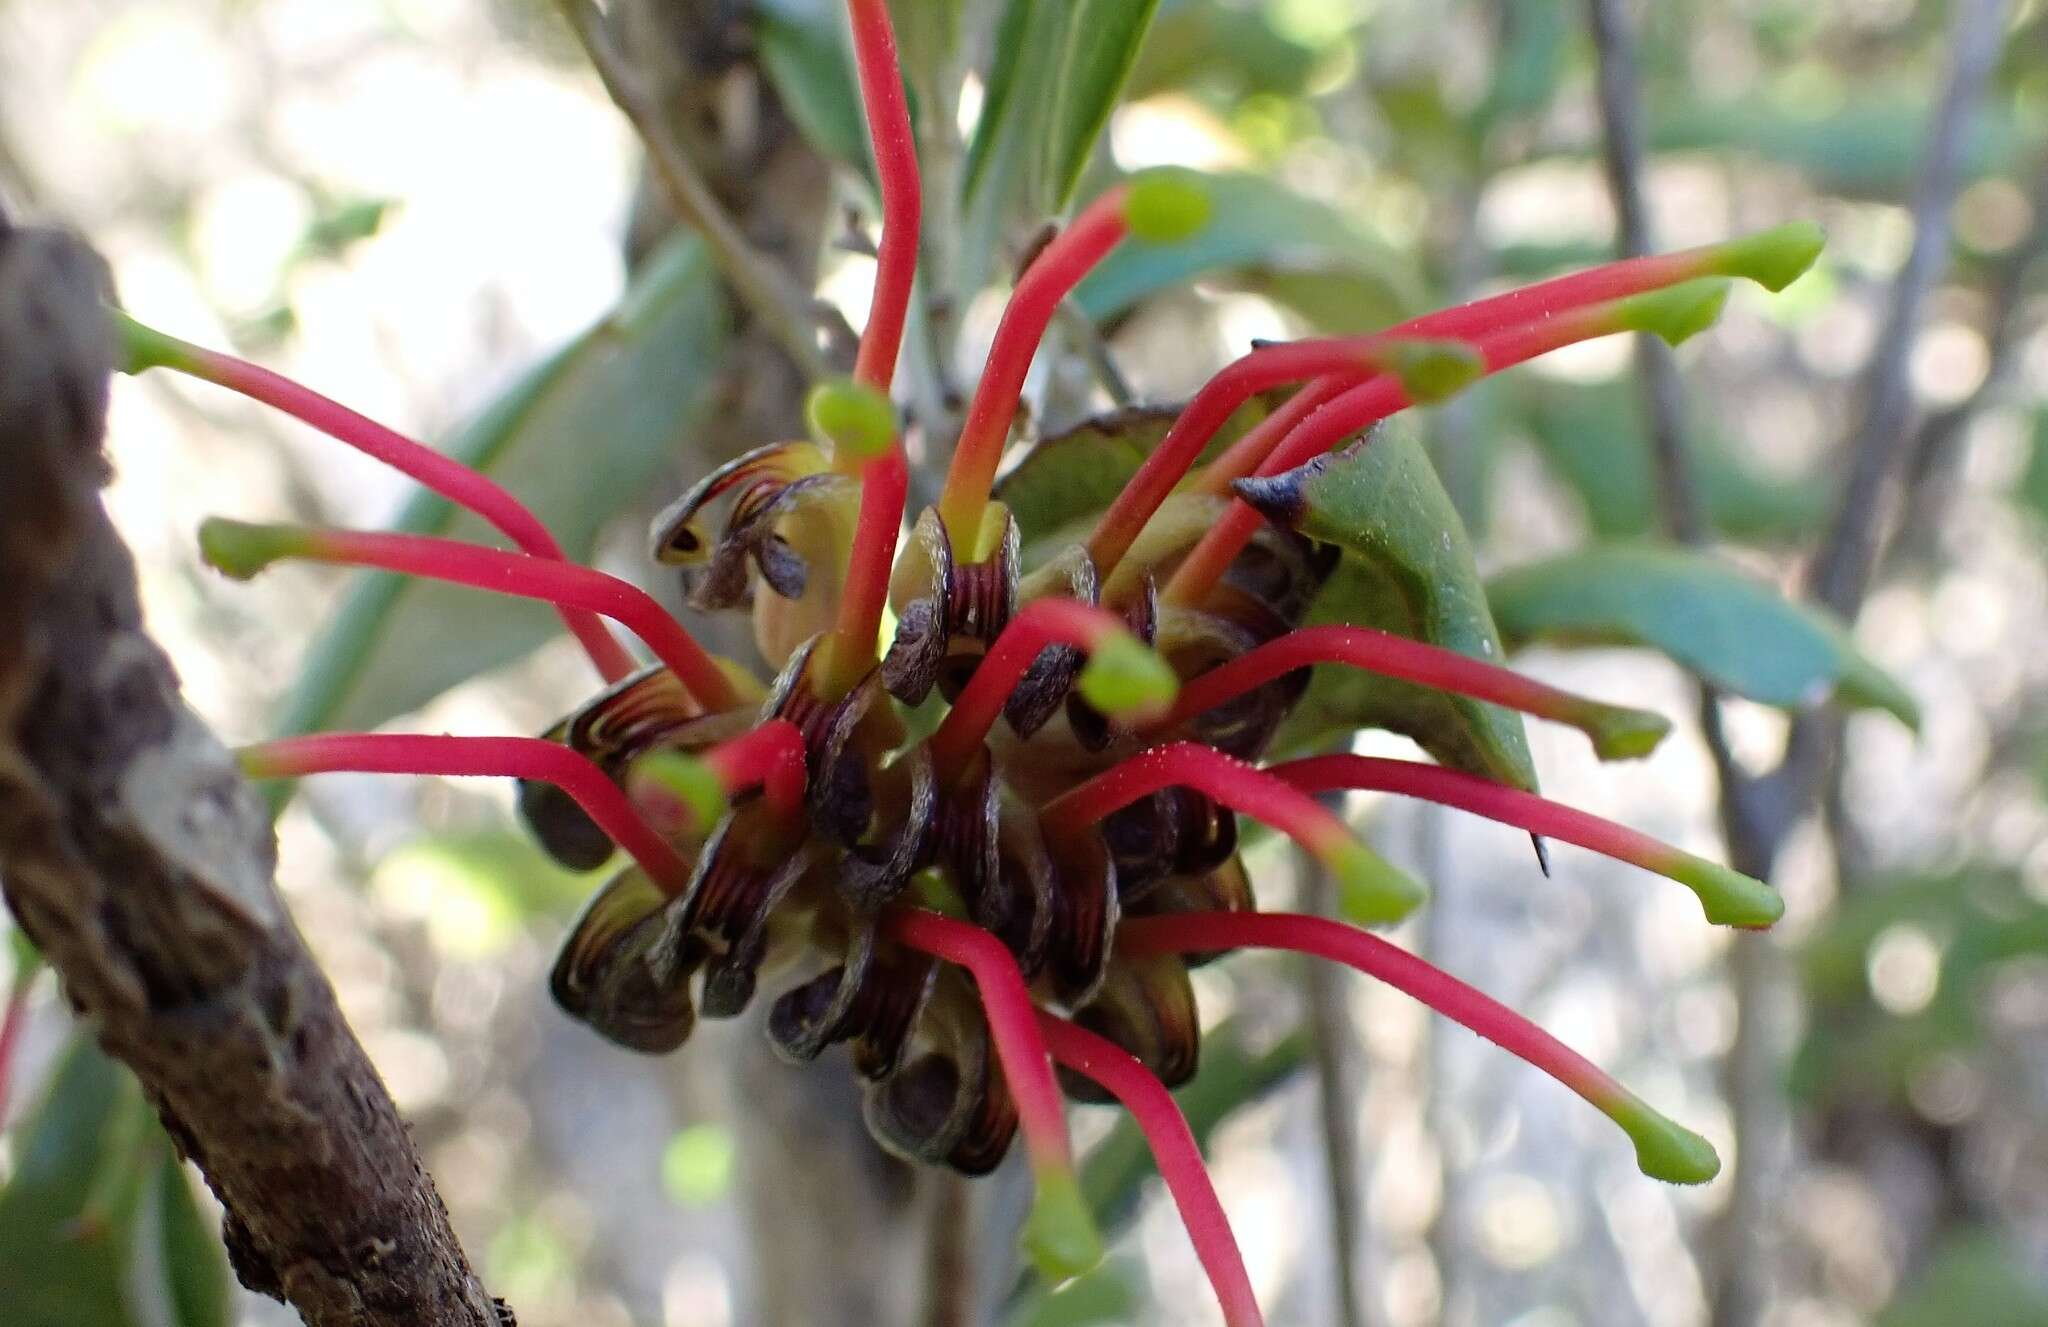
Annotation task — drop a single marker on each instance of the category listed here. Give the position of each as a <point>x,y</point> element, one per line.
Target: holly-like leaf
<point>1300,251</point>
<point>1407,568</point>
<point>577,439</point>
<point>1733,630</point>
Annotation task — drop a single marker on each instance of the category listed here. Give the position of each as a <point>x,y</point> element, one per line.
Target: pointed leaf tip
<point>1371,891</point>
<point>1166,206</point>
<point>1124,676</point>
<point>855,419</point>
<point>1059,1234</point>
<point>242,549</point>
<point>1773,258</point>
<point>1676,315</point>
<point>1666,1150</point>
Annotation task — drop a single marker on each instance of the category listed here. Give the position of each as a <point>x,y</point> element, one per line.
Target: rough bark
<point>139,861</point>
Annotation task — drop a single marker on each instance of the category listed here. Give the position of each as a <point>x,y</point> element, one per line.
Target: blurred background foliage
<point>418,206</point>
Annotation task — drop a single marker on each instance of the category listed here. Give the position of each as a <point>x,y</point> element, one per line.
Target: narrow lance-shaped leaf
<point>1733,630</point>
<point>576,439</point>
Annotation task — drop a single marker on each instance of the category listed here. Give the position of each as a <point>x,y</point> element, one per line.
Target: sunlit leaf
<point>577,439</point>
<point>1733,630</point>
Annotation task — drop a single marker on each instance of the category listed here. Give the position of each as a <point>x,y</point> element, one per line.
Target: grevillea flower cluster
<point>986,856</point>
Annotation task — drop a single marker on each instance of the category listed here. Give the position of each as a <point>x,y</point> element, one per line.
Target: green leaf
<point>1980,918</point>
<point>1233,1074</point>
<point>577,439</point>
<point>98,1225</point>
<point>1059,67</point>
<point>1736,632</point>
<point>1222,50</point>
<point>1269,237</point>
<point>1064,482</point>
<point>1867,148</point>
<point>1975,1279</point>
<point>1593,437</point>
<point>1407,568</point>
<point>806,55</point>
<point>194,1266</point>
<point>1100,46</point>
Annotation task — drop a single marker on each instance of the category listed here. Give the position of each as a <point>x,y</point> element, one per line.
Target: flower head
<point>1028,878</point>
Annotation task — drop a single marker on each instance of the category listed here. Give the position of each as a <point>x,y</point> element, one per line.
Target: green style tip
<point>1059,1234</point>
<point>145,347</point>
<point>241,549</point>
<point>1433,370</point>
<point>1666,1150</point>
<point>856,420</point>
<point>1166,206</point>
<point>1621,733</point>
<point>1773,258</point>
<point>683,788</point>
<point>1124,676</point>
<point>1371,891</point>
<point>1727,896</point>
<point>1677,314</point>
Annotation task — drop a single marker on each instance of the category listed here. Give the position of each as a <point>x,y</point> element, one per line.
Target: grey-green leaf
<point>578,439</point>
<point>1407,568</point>
<point>1733,630</point>
<point>1593,438</point>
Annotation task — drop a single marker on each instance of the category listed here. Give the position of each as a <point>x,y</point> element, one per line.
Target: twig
<point>141,863</point>
<point>789,313</point>
<point>1841,572</point>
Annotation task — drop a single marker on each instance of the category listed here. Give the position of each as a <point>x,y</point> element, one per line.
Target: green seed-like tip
<point>1621,733</point>
<point>1665,1149</point>
<point>1679,313</point>
<point>145,347</point>
<point>1124,676</point>
<point>1059,1234</point>
<point>1433,370</point>
<point>1371,891</point>
<point>856,420</point>
<point>1166,206</point>
<point>1773,258</point>
<point>1728,897</point>
<point>670,777</point>
<point>241,549</point>
<point>255,763</point>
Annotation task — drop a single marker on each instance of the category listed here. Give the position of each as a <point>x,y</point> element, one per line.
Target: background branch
<point>139,861</point>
